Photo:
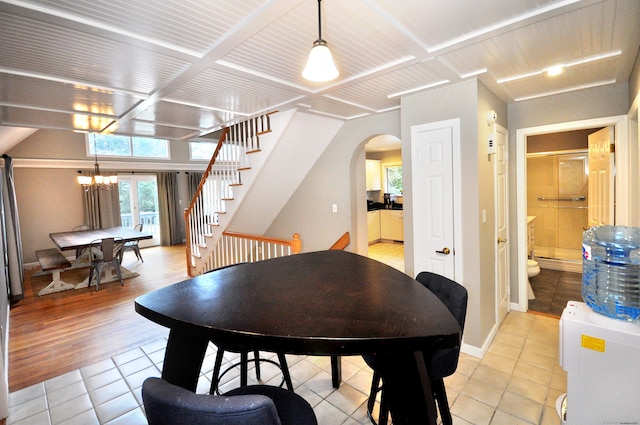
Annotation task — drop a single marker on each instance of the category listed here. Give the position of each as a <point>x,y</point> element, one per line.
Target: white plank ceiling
<point>179,69</point>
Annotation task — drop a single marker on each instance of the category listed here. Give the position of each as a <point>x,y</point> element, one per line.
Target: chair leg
<point>136,249</point>
<point>244,369</point>
<point>383,416</point>
<point>285,371</point>
<point>116,265</point>
<point>440,395</point>
<point>216,372</point>
<point>98,272</point>
<point>375,387</point>
<point>256,360</point>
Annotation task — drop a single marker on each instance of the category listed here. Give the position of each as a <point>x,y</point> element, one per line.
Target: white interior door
<point>601,177</point>
<point>433,215</point>
<point>139,204</point>
<point>502,220</point>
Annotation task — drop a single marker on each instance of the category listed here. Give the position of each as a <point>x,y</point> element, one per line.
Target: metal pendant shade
<point>320,66</point>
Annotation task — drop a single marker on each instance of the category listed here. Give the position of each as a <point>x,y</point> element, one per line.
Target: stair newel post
<point>296,244</point>
<point>187,230</point>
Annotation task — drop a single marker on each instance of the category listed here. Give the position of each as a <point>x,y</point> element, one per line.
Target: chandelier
<point>96,180</point>
<point>320,66</point>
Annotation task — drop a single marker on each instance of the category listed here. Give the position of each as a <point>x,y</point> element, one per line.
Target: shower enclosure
<point>557,195</point>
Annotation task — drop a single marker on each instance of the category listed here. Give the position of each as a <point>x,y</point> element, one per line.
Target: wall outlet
<point>334,208</point>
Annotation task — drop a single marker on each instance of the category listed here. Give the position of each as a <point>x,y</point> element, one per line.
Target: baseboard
<point>479,352</point>
<point>560,265</point>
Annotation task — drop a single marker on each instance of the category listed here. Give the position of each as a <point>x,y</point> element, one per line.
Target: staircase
<point>216,198</point>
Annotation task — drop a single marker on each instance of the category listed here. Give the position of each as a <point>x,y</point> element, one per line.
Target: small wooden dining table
<point>80,239</point>
<point>328,303</point>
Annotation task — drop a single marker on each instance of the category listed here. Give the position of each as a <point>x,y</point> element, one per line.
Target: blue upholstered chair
<point>167,404</point>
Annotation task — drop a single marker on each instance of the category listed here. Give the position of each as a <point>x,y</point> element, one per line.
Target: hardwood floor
<point>57,333</point>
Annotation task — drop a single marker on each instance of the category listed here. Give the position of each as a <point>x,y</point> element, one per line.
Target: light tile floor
<point>516,383</point>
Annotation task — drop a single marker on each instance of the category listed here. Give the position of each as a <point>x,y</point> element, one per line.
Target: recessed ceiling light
<point>577,62</point>
<point>555,70</point>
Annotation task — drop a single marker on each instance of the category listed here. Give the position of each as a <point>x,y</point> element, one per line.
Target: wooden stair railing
<point>235,248</point>
<point>341,243</point>
<point>203,216</point>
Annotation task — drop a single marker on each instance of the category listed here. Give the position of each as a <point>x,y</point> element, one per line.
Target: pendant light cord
<point>319,21</point>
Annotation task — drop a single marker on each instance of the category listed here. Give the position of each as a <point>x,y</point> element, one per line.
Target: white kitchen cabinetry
<point>392,225</point>
<point>374,174</point>
<point>373,222</point>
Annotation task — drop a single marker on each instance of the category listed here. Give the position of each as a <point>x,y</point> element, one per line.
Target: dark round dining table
<point>319,303</point>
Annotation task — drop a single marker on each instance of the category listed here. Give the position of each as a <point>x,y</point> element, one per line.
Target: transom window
<point>128,146</point>
<point>201,151</point>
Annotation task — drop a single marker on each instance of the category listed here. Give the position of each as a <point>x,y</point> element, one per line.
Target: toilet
<point>533,269</point>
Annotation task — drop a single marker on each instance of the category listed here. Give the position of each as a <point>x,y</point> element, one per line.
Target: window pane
<point>148,147</point>
<point>107,144</point>
<point>394,180</point>
<point>201,150</point>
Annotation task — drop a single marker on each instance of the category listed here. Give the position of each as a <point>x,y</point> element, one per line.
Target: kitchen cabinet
<point>374,174</point>
<point>392,225</point>
<point>373,223</point>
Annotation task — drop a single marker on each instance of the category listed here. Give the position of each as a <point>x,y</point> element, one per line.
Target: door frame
<point>499,318</point>
<point>133,179</point>
<point>623,167</point>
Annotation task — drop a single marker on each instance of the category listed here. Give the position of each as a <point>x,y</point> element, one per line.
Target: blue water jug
<point>611,271</point>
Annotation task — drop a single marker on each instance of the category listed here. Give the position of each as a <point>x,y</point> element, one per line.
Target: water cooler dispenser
<point>600,338</point>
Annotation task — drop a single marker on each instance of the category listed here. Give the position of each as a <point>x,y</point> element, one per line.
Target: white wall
<point>468,101</point>
<point>338,177</point>
<point>49,197</point>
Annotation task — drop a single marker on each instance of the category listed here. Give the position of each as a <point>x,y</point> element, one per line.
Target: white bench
<point>52,260</point>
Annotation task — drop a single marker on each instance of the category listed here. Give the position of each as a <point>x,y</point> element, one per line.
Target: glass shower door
<point>557,192</point>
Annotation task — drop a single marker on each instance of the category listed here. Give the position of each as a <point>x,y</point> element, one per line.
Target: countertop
<point>380,206</point>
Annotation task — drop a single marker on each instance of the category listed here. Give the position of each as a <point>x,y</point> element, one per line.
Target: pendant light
<point>320,66</point>
<point>96,180</point>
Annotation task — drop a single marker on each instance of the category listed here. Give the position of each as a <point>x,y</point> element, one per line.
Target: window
<point>201,150</point>
<point>136,147</point>
<point>392,176</point>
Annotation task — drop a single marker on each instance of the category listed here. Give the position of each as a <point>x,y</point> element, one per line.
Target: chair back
<point>167,404</point>
<point>443,362</point>
<point>107,249</point>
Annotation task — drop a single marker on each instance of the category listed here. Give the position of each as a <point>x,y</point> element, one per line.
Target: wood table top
<point>83,238</point>
<point>323,303</point>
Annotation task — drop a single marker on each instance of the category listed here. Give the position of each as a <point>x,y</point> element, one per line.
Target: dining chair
<point>440,363</point>
<point>81,251</point>
<point>105,252</point>
<point>167,404</point>
<point>244,361</point>
<point>133,245</point>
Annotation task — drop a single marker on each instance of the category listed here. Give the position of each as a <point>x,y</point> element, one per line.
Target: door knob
<point>445,251</point>
<point>501,240</point>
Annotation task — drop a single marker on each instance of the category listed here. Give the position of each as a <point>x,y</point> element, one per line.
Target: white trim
<point>479,352</point>
<point>86,164</point>
<point>622,170</point>
<point>500,129</point>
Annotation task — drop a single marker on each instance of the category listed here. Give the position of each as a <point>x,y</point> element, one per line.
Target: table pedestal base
<point>56,284</point>
<point>109,275</point>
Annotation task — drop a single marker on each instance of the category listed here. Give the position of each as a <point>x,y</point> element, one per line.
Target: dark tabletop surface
<point>326,302</point>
